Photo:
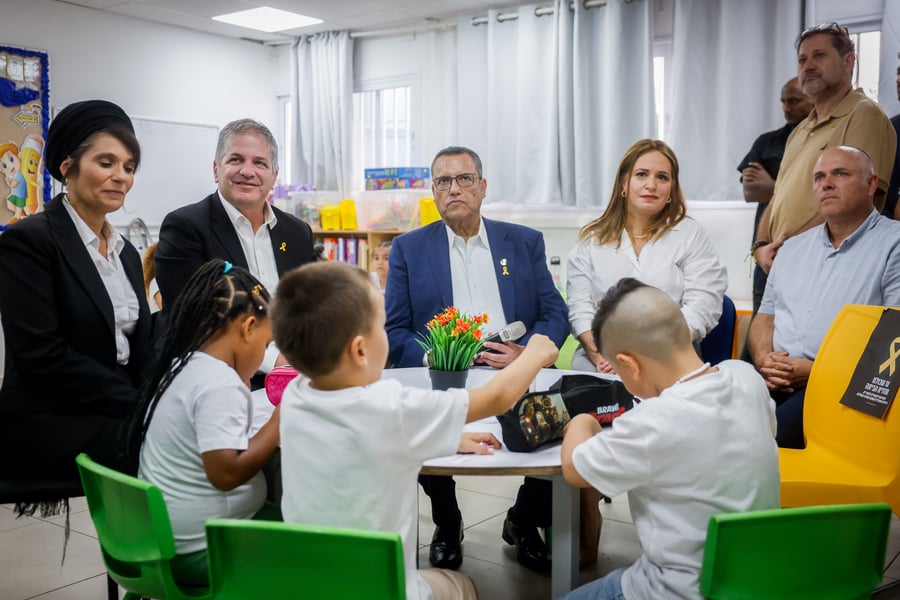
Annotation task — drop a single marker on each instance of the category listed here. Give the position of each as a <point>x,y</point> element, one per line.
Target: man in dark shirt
<point>759,169</point>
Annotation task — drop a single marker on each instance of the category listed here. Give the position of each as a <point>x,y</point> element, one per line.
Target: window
<point>868,60</point>
<point>382,130</point>
<point>662,85</point>
<point>659,94</point>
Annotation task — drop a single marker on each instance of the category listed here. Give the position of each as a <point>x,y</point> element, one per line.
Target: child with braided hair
<point>193,424</point>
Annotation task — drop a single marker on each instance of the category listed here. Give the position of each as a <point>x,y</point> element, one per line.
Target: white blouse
<point>125,304</point>
<point>682,263</point>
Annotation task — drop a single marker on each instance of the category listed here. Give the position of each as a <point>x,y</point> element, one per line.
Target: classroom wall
<point>151,70</point>
<point>169,73</point>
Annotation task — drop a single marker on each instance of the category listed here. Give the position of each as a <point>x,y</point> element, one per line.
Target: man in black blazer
<point>235,223</point>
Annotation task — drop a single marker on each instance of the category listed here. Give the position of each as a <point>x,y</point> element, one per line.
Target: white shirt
<point>474,279</point>
<point>701,448</point>
<point>260,257</point>
<point>682,263</point>
<point>126,307</point>
<point>257,245</point>
<point>207,407</point>
<point>351,457</point>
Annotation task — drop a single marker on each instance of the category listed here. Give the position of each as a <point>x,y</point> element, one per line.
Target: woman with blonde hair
<point>644,233</point>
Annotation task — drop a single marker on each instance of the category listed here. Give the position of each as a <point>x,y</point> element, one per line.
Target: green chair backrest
<point>814,552</point>
<point>285,561</point>
<point>134,531</point>
<point>566,351</point>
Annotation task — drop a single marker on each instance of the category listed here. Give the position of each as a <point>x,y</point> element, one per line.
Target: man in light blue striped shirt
<point>853,258</point>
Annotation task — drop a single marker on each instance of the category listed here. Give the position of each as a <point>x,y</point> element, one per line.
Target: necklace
<point>693,373</point>
<point>638,237</point>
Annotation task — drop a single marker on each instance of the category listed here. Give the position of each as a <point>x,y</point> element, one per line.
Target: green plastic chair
<point>134,531</point>
<point>815,552</point>
<point>249,560</point>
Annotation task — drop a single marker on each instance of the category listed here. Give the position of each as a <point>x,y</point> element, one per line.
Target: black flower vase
<point>444,380</point>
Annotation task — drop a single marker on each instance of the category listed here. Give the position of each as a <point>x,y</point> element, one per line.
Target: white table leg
<point>566,527</point>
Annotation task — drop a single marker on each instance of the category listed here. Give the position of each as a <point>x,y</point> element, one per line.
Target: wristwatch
<point>756,246</point>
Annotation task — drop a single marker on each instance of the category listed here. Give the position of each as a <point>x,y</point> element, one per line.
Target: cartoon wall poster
<point>24,118</point>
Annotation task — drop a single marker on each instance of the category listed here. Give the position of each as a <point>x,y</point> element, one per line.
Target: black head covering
<point>74,124</point>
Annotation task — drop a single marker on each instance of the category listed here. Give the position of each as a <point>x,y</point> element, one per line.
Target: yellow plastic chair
<point>134,531</point>
<point>283,561</point>
<point>808,553</point>
<point>850,457</point>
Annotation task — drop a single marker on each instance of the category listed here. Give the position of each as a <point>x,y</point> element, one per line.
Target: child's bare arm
<point>510,383</point>
<point>227,469</point>
<point>580,429</point>
<point>474,442</point>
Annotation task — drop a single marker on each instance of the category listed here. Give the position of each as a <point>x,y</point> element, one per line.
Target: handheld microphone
<point>510,333</point>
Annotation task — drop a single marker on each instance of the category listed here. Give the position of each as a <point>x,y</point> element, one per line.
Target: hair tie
<point>227,268</point>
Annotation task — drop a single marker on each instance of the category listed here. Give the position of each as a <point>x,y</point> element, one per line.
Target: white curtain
<point>548,101</point>
<point>611,104</point>
<point>322,105</point>
<point>890,46</point>
<point>730,60</point>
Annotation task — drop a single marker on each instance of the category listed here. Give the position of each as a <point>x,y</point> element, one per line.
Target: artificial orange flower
<point>452,339</point>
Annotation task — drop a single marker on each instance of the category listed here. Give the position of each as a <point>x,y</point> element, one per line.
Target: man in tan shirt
<point>841,116</point>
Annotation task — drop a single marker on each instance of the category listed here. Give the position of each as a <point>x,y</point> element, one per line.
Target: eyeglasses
<point>831,27</point>
<point>463,180</point>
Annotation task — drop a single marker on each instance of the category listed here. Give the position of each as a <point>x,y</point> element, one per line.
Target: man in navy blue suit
<point>479,266</point>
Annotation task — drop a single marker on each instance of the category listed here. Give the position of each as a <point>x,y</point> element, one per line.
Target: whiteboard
<point>176,170</point>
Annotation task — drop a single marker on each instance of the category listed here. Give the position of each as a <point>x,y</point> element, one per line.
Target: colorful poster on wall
<point>24,117</point>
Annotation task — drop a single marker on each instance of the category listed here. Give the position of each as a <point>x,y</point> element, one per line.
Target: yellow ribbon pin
<point>283,247</point>
<point>891,363</point>
<point>503,264</point>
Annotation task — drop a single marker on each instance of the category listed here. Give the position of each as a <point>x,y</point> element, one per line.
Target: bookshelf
<point>354,247</point>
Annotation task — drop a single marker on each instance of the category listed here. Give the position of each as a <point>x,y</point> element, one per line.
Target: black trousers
<point>532,508</point>
<point>789,415</point>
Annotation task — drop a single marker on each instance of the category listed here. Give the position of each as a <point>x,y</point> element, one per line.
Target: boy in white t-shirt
<point>352,444</point>
<point>700,444</point>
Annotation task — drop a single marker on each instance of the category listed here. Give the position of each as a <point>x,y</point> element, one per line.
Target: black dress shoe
<point>446,548</point>
<point>531,551</point>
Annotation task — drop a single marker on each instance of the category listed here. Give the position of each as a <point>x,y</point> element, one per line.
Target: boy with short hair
<point>352,444</point>
<point>700,444</point>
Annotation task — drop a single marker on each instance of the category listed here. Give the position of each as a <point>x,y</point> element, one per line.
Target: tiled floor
<point>31,549</point>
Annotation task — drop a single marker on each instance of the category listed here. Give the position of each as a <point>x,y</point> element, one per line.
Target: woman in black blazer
<point>73,307</point>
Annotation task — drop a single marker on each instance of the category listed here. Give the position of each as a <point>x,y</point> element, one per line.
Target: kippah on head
<point>74,124</point>
<point>641,319</point>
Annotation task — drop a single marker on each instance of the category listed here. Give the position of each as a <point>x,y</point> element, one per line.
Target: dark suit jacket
<point>62,384</point>
<point>199,232</point>
<point>419,285</point>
